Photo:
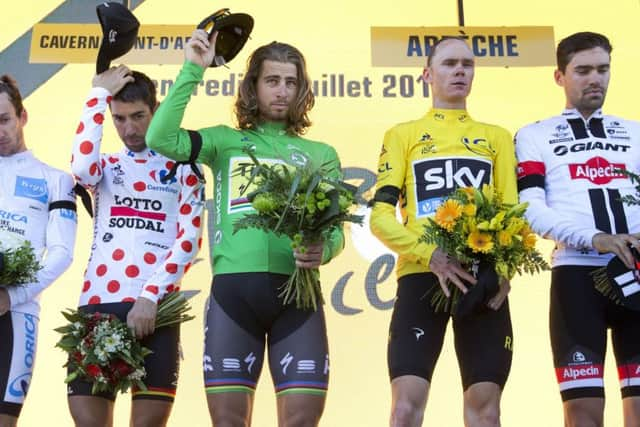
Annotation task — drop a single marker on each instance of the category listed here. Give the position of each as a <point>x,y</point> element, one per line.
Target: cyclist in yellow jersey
<point>421,163</point>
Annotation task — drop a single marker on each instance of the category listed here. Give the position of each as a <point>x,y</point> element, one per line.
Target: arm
<point>504,168</point>
<point>190,214</point>
<point>545,221</point>
<point>383,222</point>
<point>85,160</point>
<point>142,316</point>
<point>164,134</point>
<point>60,241</point>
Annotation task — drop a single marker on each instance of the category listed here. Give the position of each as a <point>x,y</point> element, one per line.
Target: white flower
<point>9,240</point>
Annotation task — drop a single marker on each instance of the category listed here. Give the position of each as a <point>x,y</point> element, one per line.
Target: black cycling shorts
<point>18,335</point>
<point>483,342</point>
<point>579,317</point>
<point>245,313</point>
<point>162,366</point>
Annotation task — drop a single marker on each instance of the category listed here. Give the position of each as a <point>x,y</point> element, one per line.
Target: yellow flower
<point>484,225</point>
<point>469,210</point>
<point>470,192</point>
<point>496,221</point>
<point>530,241</point>
<point>502,269</point>
<point>504,238</point>
<point>447,214</point>
<point>480,242</point>
<point>515,225</point>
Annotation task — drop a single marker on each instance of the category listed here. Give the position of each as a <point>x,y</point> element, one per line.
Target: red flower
<point>93,371</point>
<point>77,356</point>
<point>121,367</point>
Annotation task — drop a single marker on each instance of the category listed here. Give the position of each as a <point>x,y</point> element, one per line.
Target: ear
<point>155,108</point>
<point>558,76</point>
<point>426,75</point>
<point>24,117</point>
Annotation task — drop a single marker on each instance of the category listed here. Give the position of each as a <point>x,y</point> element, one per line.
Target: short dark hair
<point>246,106</point>
<point>432,50</point>
<point>140,89</point>
<point>9,86</point>
<point>578,42</point>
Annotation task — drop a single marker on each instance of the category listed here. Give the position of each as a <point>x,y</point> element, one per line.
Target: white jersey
<point>146,231</point>
<point>568,171</point>
<point>37,203</point>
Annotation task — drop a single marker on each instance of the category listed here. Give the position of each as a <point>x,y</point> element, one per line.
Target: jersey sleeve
<point>188,240</point>
<point>505,167</point>
<point>164,134</point>
<point>390,183</point>
<point>85,160</point>
<point>547,222</point>
<point>60,241</point>
<point>334,244</point>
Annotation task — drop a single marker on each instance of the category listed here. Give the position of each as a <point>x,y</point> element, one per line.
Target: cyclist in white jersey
<point>37,203</point>
<point>569,172</point>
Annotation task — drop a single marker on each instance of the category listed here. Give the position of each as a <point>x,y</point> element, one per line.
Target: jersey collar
<point>571,113</point>
<point>446,115</point>
<point>20,157</point>
<point>140,155</point>
<point>272,128</point>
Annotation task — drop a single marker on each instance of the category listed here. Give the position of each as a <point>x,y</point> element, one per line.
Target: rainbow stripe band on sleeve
<point>229,385</point>
<point>302,387</point>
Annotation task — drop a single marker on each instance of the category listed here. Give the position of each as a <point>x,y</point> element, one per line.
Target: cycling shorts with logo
<point>483,342</point>
<point>578,320</point>
<point>18,335</point>
<point>245,313</point>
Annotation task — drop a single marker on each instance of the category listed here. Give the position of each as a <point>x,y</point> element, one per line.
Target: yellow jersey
<point>424,161</point>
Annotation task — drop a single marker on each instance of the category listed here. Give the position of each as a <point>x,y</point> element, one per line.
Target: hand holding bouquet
<point>301,202</point>
<point>104,351</point>
<point>477,228</point>
<point>18,262</point>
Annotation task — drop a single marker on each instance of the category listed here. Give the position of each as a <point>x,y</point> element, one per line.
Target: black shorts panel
<point>416,334</point>
<point>579,317</point>
<point>245,313</point>
<point>162,366</point>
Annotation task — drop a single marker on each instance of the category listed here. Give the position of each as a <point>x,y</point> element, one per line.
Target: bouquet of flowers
<point>18,262</point>
<point>103,350</point>
<point>301,202</point>
<point>476,227</point>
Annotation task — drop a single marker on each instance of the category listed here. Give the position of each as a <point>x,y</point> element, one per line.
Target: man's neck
<point>447,105</point>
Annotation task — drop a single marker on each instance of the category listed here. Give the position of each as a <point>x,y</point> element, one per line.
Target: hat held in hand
<point>233,32</point>
<point>620,283</point>
<point>478,296</point>
<point>119,33</point>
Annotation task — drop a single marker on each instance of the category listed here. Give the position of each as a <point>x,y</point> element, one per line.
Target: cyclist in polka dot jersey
<point>147,231</point>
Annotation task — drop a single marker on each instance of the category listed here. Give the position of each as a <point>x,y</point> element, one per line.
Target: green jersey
<point>248,250</point>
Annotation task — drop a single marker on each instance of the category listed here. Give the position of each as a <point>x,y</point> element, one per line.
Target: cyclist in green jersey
<point>245,312</point>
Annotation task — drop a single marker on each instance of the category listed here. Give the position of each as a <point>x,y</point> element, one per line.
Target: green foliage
<point>304,204</point>
<point>19,265</point>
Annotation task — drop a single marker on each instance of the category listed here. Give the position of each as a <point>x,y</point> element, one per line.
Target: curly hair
<point>246,106</point>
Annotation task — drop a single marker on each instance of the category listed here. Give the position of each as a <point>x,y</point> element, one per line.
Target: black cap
<point>625,283</point>
<point>233,32</point>
<point>119,32</point>
<point>477,297</point>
